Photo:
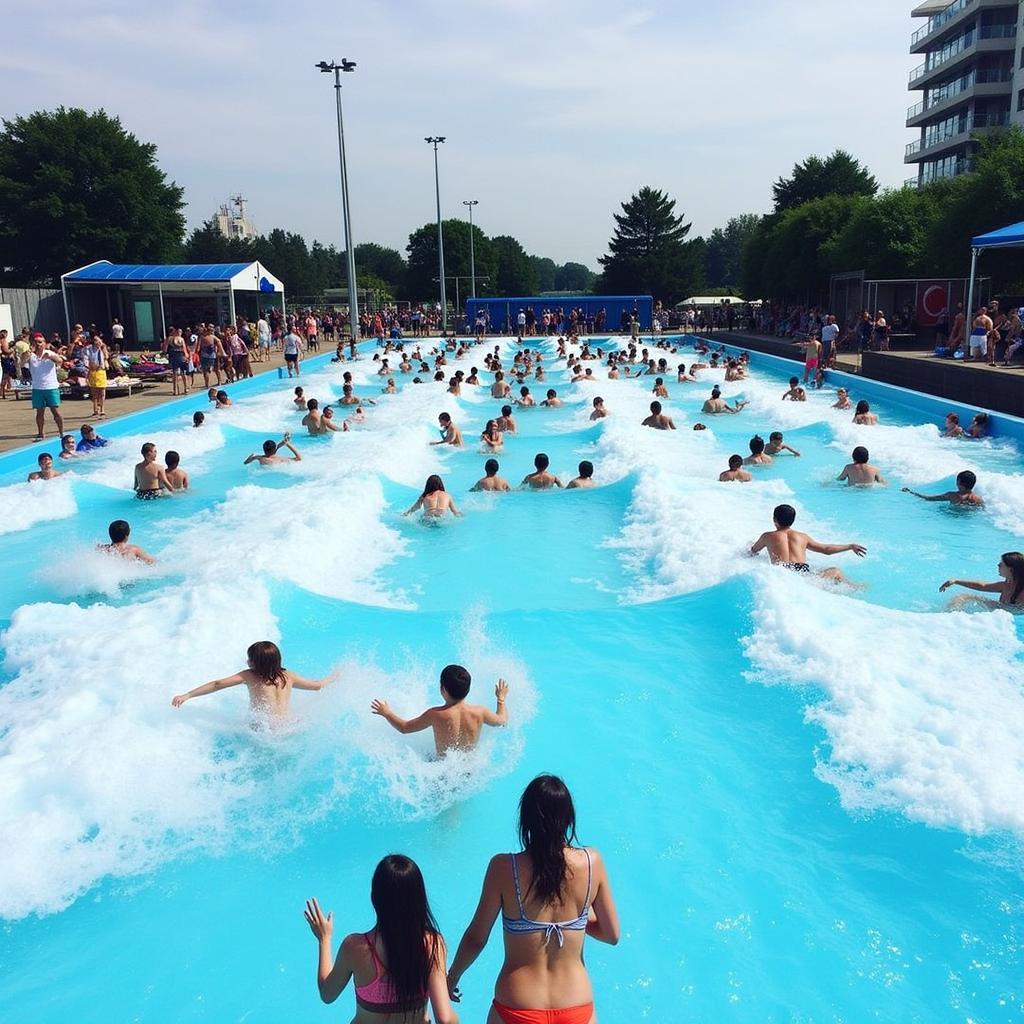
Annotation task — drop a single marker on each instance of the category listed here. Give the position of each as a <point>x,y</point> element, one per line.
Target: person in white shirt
<point>42,364</point>
<point>263,339</point>
<point>292,353</point>
<point>117,332</point>
<point>829,333</point>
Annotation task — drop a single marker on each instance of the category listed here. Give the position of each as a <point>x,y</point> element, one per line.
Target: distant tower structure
<point>232,221</point>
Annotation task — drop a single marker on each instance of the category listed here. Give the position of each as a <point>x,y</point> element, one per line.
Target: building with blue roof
<point>149,299</point>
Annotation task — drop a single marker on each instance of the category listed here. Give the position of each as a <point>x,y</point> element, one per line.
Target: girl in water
<point>550,897</point>
<point>863,414</point>
<point>1010,587</point>
<point>434,500</point>
<point>491,437</point>
<point>270,684</point>
<point>397,966</point>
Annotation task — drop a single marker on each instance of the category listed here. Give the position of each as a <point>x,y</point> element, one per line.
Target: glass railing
<point>940,19</point>
<point>980,76</point>
<point>995,119</point>
<point>997,31</point>
<point>940,57</point>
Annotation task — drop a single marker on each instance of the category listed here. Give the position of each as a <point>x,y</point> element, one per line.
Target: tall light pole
<point>435,140</point>
<point>472,263</point>
<point>350,256</point>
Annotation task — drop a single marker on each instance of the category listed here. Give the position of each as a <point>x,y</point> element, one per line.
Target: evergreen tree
<point>76,187</point>
<point>837,175</point>
<point>648,253</point>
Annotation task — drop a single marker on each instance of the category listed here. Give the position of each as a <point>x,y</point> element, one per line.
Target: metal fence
<point>42,309</point>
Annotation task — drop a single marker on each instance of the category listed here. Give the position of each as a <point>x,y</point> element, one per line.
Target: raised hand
<point>319,924</point>
<point>380,707</point>
<point>179,700</point>
<point>501,690</point>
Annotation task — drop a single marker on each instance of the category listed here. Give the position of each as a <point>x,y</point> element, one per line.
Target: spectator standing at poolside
<point>829,333</point>
<point>292,346</point>
<point>95,356</point>
<point>42,365</point>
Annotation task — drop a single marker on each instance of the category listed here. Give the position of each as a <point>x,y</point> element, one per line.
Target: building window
<point>1020,100</point>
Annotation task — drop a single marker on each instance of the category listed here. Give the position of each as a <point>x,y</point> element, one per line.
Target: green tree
<point>574,277</point>
<point>723,254</point>
<point>837,175</point>
<point>648,252</point>
<point>206,244</point>
<point>422,263</point>
<point>380,261</point>
<point>515,273</point>
<point>77,187</point>
<point>545,271</point>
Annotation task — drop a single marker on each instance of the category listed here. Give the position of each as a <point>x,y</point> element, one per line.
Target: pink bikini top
<point>379,995</point>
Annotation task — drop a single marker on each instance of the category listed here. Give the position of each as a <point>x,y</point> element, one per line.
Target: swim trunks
<point>45,398</point>
<point>97,378</point>
<point>812,364</point>
<point>796,566</point>
<point>150,495</point>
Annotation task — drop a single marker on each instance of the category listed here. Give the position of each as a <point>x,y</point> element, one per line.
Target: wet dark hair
<point>118,531</point>
<point>860,455</point>
<point>524,391</point>
<point>404,923</point>
<point>735,461</point>
<point>506,410</point>
<point>172,459</point>
<point>756,444</point>
<point>312,404</point>
<point>541,461</point>
<point>656,408</point>
<point>658,381</point>
<point>966,479</point>
<point>490,427</point>
<point>793,381</point>
<point>264,658</point>
<point>586,469</point>
<point>552,393</point>
<point>43,455</point>
<point>716,392</point>
<point>269,447</point>
<point>784,515</point>
<point>298,392</point>
<point>445,417</point>
<point>198,419</point>
<point>491,467</point>
<point>1014,561</point>
<point>433,485</point>
<point>147,448</point>
<point>221,395</point>
<point>862,407</point>
<point>775,435</point>
<point>455,679</point>
<point>547,824</point>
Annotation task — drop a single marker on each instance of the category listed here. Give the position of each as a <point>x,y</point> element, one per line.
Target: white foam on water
<point>98,776</point>
<point>37,501</point>
<point>325,539</point>
<point>89,570</point>
<point>923,713</point>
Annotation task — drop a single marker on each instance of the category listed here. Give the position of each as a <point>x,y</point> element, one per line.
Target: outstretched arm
<point>835,549</point>
<point>403,725</point>
<point>210,687</point>
<point>985,588</point>
<point>500,714</point>
<point>300,683</point>
<point>331,979</point>
<point>759,545</point>
<point>927,497</point>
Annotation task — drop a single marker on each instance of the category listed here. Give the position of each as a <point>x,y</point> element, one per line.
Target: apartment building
<point>971,80</point>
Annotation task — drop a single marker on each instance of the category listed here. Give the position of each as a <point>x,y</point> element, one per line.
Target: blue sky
<point>555,112</point>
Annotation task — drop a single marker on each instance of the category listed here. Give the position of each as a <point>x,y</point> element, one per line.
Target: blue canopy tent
<point>1010,237</point>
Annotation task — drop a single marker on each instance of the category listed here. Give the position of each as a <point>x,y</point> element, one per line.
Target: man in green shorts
<point>42,364</point>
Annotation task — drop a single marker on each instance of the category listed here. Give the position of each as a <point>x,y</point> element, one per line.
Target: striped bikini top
<point>522,923</point>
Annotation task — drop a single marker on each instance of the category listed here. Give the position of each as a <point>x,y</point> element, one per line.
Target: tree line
<point>76,187</point>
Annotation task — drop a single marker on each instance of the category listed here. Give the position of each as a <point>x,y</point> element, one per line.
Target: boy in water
<point>776,447</point>
<point>585,478</point>
<point>119,532</point>
<point>450,434</point>
<point>456,724</point>
<point>46,470</point>
<point>270,450</point>
<point>860,472</point>
<point>600,411</point>
<point>963,495</point>
<point>491,481</point>
<point>757,456</point>
<point>552,401</point>
<point>794,389</point>
<point>735,473</point>
<point>788,547</point>
<point>658,420</point>
<point>175,474</point>
<point>540,479</point>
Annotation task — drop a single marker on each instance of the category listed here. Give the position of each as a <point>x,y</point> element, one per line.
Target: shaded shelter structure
<point>1010,237</point>
<point>150,298</point>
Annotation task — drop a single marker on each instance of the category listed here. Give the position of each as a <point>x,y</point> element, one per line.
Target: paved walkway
<point>18,421</point>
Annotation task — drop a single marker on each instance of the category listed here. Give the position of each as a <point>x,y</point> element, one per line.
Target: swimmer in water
<point>270,450</point>
<point>863,415</point>
<point>788,547</point>
<point>658,420</point>
<point>952,426</point>
<point>540,479</point>
<point>270,684</point>
<point>842,400</point>
<point>119,531</point>
<point>552,401</point>
<point>600,411</point>
<point>455,723</point>
<point>757,456</point>
<point>492,437</point>
<point>716,405</point>
<point>46,470</point>
<point>434,500</point>
<point>1009,587</point>
<point>450,434</point>
<point>735,473</point>
<point>299,401</point>
<point>198,419</point>
<point>150,477</point>
<point>585,478</point>
<point>963,495</point>
<point>490,481</point>
<point>775,445</point>
<point>311,421</point>
<point>794,387</point>
<point>860,472</point>
<point>505,422</point>
<point>177,476</point>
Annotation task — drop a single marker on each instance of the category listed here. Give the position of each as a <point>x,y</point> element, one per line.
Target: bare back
<point>457,727</point>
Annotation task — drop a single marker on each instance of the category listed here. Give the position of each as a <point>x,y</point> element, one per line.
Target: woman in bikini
<point>434,500</point>
<point>1009,587</point>
<point>398,966</point>
<point>550,897</point>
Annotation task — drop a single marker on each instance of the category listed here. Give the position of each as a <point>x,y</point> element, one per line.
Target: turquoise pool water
<point>809,799</point>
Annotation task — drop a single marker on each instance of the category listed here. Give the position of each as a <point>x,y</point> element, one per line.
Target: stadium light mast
<point>350,256</point>
<point>472,262</point>
<point>436,140</point>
